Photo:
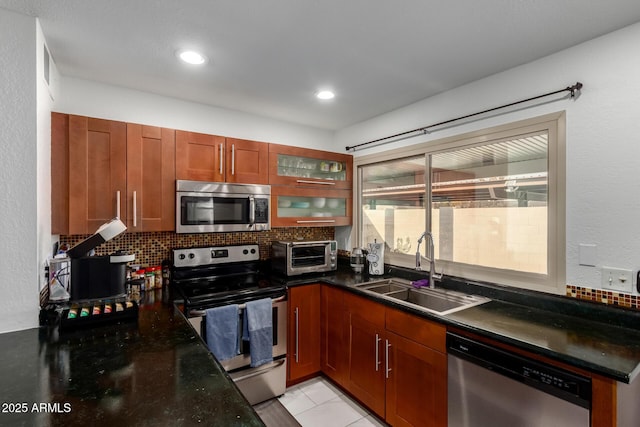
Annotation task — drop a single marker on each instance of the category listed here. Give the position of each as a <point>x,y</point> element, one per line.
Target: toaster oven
<point>293,258</point>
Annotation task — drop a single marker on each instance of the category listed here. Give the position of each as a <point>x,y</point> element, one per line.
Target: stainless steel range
<point>204,278</point>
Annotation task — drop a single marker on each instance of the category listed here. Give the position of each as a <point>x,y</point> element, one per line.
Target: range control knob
<point>181,256</point>
<point>253,251</point>
<point>245,252</point>
<point>192,256</point>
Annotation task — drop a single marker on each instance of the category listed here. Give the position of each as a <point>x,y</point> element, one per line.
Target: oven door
<point>220,212</point>
<point>243,360</point>
<point>311,257</point>
<point>279,322</point>
<point>266,381</point>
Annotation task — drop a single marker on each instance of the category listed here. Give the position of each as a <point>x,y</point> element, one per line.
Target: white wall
<point>603,139</point>
<point>116,103</point>
<point>19,271</point>
<point>46,93</point>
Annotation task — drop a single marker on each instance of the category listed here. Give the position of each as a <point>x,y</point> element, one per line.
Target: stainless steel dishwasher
<point>492,387</point>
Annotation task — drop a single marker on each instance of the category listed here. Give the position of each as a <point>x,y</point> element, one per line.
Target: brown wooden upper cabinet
<point>247,161</point>
<point>97,153</point>
<point>202,157</point>
<point>199,157</point>
<point>151,178</point>
<point>103,169</point>
<point>309,188</point>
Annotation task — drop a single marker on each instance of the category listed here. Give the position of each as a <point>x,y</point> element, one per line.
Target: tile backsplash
<point>604,296</point>
<point>153,247</point>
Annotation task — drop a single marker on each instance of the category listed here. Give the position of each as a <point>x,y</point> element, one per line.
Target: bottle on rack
<point>149,279</point>
<point>157,272</point>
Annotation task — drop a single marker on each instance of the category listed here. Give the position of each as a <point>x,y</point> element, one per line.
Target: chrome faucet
<point>431,257</point>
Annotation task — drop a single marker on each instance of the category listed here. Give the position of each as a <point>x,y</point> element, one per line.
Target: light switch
<point>588,254</point>
<point>617,279</point>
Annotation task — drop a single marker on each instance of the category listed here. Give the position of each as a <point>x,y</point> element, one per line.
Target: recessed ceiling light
<point>325,94</point>
<point>192,57</point>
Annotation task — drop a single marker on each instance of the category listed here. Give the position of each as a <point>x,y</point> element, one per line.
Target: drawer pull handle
<point>306,181</point>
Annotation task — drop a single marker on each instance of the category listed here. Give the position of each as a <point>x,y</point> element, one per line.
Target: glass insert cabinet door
<point>307,167</point>
<point>316,207</point>
<point>302,207</point>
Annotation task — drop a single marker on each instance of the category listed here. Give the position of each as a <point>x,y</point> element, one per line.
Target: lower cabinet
<point>366,377</point>
<point>397,363</point>
<point>416,391</point>
<point>334,358</point>
<point>303,343</point>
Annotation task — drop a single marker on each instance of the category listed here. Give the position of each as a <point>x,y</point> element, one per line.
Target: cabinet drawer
<point>417,329</point>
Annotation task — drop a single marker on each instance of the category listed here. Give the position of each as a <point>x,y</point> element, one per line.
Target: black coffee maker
<point>96,277</point>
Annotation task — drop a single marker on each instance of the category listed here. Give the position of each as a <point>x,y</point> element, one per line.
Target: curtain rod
<point>572,89</point>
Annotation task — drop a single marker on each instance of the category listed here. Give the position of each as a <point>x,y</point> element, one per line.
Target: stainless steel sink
<point>439,301</point>
<point>385,288</point>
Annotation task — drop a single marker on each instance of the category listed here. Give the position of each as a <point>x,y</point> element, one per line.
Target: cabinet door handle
<point>135,209</point>
<point>378,339</point>
<point>118,204</point>
<point>233,159</point>
<point>314,221</point>
<point>221,158</point>
<point>386,359</point>
<point>306,181</point>
<point>297,330</point>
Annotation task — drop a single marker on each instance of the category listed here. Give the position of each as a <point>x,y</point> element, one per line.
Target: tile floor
<point>317,402</point>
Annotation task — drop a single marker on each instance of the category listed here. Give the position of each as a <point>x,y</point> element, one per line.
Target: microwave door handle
<point>252,211</point>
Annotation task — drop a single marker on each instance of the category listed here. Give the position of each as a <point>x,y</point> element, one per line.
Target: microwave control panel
<point>262,211</point>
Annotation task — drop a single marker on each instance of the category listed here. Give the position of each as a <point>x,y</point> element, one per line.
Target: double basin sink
<point>433,300</point>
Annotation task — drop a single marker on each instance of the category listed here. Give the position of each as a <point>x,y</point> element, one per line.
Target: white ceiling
<point>269,57</point>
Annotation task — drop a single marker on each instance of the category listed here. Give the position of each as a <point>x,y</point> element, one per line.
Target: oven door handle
<point>202,313</point>
<point>258,371</point>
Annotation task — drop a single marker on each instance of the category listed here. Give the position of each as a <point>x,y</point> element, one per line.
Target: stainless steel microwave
<point>301,257</point>
<point>208,207</point>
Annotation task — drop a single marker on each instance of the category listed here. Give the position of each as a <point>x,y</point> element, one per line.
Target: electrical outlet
<point>617,279</point>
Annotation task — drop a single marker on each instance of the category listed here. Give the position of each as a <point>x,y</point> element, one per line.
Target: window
<point>493,200</point>
<point>393,206</point>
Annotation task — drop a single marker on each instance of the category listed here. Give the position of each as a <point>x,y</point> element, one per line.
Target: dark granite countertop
<point>158,371</point>
<point>153,372</point>
<point>611,351</point>
<point>601,339</point>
